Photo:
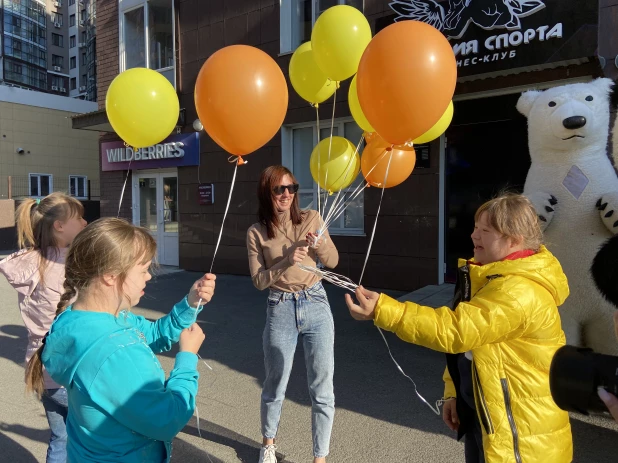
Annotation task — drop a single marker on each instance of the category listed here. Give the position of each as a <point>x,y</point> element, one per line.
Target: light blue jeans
<point>56,404</point>
<point>289,315</point>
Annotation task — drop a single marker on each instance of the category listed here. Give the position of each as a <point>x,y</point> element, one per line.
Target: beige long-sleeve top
<point>270,260</point>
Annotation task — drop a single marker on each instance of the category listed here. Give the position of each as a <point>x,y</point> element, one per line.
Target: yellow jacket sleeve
<point>491,317</point>
<point>449,386</point>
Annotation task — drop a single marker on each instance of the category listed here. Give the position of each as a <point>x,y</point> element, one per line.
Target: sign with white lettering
<point>205,194</point>
<point>174,151</point>
<point>495,35</point>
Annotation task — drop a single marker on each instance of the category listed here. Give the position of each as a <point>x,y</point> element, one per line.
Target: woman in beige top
<point>297,306</point>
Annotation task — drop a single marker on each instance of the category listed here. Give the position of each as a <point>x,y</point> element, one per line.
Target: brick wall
<point>107,46</point>
<point>107,69</point>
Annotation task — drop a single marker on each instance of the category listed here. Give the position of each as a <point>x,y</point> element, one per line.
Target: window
<point>40,185</point>
<point>147,37</point>
<point>297,18</point>
<point>57,81</point>
<point>73,62</point>
<point>71,2</point>
<point>160,35</point>
<point>72,42</point>
<point>57,61</point>
<point>134,41</point>
<point>84,61</point>
<point>25,51</point>
<point>82,15</point>
<point>30,9</point>
<point>299,140</point>
<point>84,37</point>
<point>73,83</point>
<point>16,68</point>
<point>84,80</point>
<point>58,40</point>
<point>78,186</point>
<point>72,20</point>
<point>56,18</point>
<point>24,74</point>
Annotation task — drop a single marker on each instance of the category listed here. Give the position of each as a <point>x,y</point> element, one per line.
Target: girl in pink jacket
<point>45,229</point>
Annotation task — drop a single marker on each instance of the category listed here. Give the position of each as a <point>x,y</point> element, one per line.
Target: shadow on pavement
<point>13,451</point>
<point>247,450</point>
<point>14,339</point>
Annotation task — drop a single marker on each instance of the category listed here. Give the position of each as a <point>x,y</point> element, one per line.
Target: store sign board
<point>174,151</point>
<point>495,35</point>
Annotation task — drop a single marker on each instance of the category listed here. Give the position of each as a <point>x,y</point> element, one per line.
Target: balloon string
<point>317,125</point>
<point>337,213</point>
<point>347,284</point>
<point>227,207</point>
<point>337,201</point>
<point>197,411</point>
<point>330,143</point>
<point>124,186</point>
<point>434,408</point>
<point>375,224</point>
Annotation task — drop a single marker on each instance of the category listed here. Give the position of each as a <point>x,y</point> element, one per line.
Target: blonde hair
<point>514,216</point>
<point>35,223</point>
<point>106,246</point>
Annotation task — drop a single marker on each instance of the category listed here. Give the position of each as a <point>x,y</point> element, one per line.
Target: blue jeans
<point>289,315</point>
<point>56,404</point>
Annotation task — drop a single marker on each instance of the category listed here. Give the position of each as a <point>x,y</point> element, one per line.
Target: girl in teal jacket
<point>121,407</point>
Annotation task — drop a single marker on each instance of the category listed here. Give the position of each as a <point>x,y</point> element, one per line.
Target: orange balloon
<point>374,163</point>
<point>406,80</point>
<point>241,98</point>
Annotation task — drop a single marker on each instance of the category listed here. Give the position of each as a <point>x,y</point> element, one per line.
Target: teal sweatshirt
<point>121,408</point>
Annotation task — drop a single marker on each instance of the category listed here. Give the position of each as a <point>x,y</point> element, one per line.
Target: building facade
<point>41,153</point>
<point>425,222</point>
<point>49,46</point>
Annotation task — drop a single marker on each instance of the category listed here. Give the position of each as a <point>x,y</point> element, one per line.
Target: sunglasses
<point>293,188</point>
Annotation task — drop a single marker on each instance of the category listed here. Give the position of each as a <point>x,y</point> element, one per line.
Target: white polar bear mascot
<point>574,189</point>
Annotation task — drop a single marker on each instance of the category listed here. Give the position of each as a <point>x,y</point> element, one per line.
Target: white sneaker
<point>267,454</point>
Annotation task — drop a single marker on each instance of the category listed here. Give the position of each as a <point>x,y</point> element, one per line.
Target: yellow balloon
<point>142,107</point>
<point>338,39</point>
<point>307,78</point>
<point>340,171</point>
<point>439,127</point>
<point>355,108</point>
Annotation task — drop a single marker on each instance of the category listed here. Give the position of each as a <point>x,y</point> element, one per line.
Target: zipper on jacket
<point>481,407</point>
<point>509,414</point>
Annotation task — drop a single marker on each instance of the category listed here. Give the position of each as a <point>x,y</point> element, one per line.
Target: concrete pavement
<point>378,415</point>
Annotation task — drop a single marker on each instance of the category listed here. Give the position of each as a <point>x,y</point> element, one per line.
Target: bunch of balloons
<point>402,89</point>
<point>403,93</point>
<point>338,41</point>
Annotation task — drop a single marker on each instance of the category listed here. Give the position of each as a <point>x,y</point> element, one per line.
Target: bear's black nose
<point>574,122</point>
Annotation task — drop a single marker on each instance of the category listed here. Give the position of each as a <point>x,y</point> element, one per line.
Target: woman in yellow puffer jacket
<point>500,339</point>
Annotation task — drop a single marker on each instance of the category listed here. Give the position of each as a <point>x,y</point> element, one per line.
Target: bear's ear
<point>603,85</point>
<point>526,101</point>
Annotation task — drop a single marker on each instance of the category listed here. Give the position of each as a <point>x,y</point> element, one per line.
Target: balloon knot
<point>389,148</point>
<point>330,192</point>
<point>338,84</point>
<point>241,161</point>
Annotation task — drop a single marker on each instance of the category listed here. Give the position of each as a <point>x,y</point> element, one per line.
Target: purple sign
<point>174,151</point>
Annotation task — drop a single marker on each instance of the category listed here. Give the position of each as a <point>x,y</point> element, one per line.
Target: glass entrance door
<point>155,207</point>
